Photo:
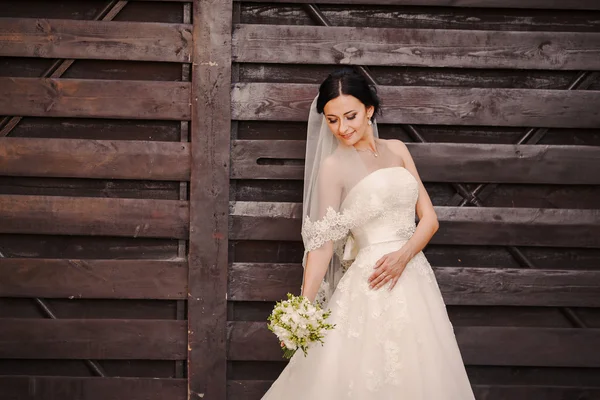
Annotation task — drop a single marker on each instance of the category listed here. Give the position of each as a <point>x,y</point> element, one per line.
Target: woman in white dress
<point>363,261</point>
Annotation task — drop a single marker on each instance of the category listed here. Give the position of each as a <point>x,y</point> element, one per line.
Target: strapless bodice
<point>387,199</point>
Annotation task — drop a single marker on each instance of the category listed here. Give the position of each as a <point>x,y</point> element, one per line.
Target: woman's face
<point>348,118</point>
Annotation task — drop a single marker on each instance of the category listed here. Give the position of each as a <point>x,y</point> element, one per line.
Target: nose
<point>342,127</point>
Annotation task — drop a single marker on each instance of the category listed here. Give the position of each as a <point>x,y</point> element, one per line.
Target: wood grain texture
<point>432,106</point>
<point>31,338</point>
<point>459,286</point>
<point>458,225</point>
<point>415,47</point>
<point>209,196</point>
<point>437,162</point>
<point>382,16</point>
<point>72,39</point>
<point>43,97</point>
<point>93,279</point>
<point>544,4</point>
<point>98,159</point>
<point>62,387</point>
<point>56,215</point>
<point>479,345</point>
<point>255,389</point>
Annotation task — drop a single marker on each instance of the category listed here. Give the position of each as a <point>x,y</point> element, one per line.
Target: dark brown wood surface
<point>437,162</point>
<point>93,279</point>
<point>209,196</point>
<point>55,38</point>
<point>459,286</point>
<point>431,106</point>
<point>422,17</point>
<point>59,387</point>
<point>100,159</point>
<point>458,225</point>
<point>93,339</point>
<point>553,4</point>
<point>94,98</point>
<point>103,208</point>
<point>404,47</point>
<point>479,345</point>
<point>56,215</point>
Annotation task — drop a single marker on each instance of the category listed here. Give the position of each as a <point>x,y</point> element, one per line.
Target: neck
<point>366,143</point>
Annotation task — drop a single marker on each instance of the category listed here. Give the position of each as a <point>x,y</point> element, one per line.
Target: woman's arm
<point>428,222</point>
<point>317,262</point>
<point>390,267</point>
<point>329,197</point>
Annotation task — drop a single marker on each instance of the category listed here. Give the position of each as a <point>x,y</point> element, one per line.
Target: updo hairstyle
<point>347,82</point>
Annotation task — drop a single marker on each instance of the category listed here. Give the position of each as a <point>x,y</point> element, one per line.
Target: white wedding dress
<point>396,344</point>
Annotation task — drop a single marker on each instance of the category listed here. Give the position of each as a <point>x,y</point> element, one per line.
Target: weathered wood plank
<point>437,162</point>
<point>459,286</point>
<point>432,106</point>
<point>415,47</point>
<point>381,16</point>
<point>32,338</point>
<point>73,39</point>
<point>479,345</point>
<point>458,225</point>
<point>414,76</point>
<point>59,387</point>
<point>255,389</point>
<point>97,129</point>
<point>45,97</point>
<point>55,215</point>
<point>87,247</point>
<point>93,279</point>
<point>544,4</point>
<point>82,187</point>
<point>98,159</point>
<point>209,196</point>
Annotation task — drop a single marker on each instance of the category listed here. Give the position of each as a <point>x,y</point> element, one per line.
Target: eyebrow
<point>331,115</point>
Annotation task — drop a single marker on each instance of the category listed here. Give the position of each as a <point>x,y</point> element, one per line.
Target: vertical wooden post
<point>209,198</point>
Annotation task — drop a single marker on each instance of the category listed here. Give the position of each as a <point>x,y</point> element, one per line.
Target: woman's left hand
<point>388,269</point>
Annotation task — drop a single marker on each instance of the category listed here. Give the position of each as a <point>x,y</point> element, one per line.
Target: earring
<point>369,122</point>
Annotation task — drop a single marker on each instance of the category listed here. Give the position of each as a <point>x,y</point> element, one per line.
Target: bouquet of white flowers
<point>297,323</point>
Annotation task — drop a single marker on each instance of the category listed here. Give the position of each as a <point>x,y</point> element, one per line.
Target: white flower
<point>297,323</point>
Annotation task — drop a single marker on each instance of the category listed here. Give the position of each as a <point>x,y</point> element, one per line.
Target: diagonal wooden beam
<point>584,80</point>
<point>59,67</point>
<point>48,313</point>
<point>7,124</point>
<point>532,136</point>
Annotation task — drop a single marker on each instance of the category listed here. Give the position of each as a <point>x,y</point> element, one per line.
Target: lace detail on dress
<point>336,225</point>
<point>387,202</point>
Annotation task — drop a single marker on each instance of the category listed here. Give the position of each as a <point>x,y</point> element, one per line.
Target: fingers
<point>383,277</point>
<point>380,262</point>
<point>380,273</point>
<point>393,283</point>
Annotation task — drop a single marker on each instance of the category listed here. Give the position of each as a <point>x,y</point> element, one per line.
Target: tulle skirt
<point>396,344</point>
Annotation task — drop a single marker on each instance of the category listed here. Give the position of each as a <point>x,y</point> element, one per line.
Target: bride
<point>363,261</point>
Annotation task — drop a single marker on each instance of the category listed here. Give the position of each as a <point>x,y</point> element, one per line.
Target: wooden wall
<point>151,157</point>
<point>500,109</point>
<point>95,167</point>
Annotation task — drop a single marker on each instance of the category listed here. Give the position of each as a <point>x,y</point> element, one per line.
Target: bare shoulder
<point>397,146</point>
<point>329,166</point>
